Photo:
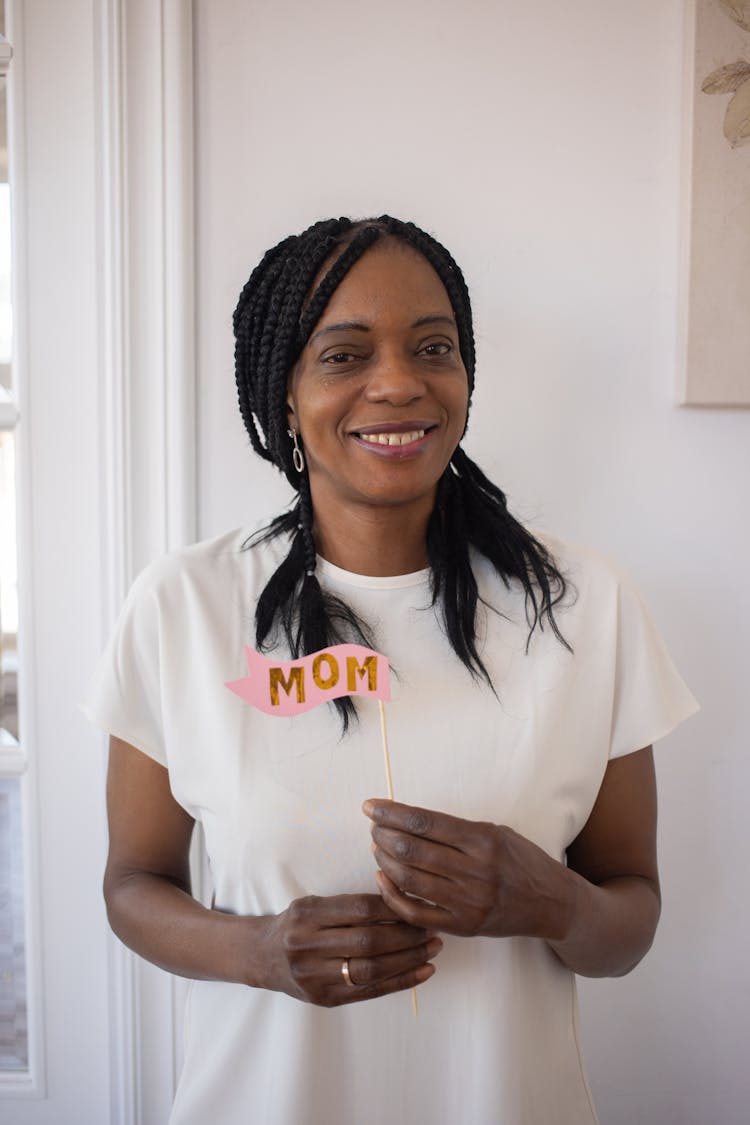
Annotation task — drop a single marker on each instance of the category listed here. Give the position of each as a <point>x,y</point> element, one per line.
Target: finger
<point>401,982</point>
<point>413,910</point>
<point>340,910</point>
<point>322,980</point>
<point>411,881</point>
<point>364,971</point>
<point>462,899</point>
<point>370,941</point>
<point>441,827</point>
<point>351,910</point>
<point>426,855</point>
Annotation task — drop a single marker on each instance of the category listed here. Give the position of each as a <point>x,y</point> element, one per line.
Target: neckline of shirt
<point>371,581</point>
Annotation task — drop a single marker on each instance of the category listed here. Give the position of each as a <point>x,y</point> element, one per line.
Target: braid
<point>305,523</point>
<point>266,322</point>
<point>473,512</point>
<point>310,618</point>
<point>453,582</point>
<point>340,268</point>
<point>278,309</point>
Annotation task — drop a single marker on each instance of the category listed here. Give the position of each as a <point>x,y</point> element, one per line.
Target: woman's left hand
<point>467,877</point>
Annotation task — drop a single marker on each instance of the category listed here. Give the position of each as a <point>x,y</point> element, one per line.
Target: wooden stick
<point>389,783</point>
<point>386,756</point>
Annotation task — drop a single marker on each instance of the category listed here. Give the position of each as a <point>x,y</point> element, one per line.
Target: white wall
<point>541,142</point>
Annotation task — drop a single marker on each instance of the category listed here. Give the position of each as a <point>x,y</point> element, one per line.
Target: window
<point>14,1043</point>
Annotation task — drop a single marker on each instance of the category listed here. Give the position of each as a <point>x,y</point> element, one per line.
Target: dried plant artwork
<point>715,367</point>
<point>734,79</point>
<point>738,10</point>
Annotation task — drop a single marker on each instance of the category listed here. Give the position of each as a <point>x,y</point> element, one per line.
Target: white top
<point>280,802</point>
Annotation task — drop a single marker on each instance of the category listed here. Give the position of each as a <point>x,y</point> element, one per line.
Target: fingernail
<point>434,947</point>
<point>367,808</point>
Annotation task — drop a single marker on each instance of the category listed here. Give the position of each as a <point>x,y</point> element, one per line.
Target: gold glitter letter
<point>368,665</point>
<point>333,666</point>
<point>296,678</point>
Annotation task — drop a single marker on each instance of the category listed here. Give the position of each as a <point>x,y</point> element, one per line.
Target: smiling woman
<point>388,286</point>
<point>529,683</point>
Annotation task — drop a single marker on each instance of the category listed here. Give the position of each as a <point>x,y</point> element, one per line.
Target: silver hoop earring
<point>298,457</point>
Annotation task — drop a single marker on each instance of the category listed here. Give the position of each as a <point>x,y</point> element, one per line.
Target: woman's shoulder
<point>580,563</point>
<point>244,552</point>
<point>597,587</point>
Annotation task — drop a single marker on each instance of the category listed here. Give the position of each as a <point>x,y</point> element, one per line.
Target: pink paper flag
<point>289,688</point>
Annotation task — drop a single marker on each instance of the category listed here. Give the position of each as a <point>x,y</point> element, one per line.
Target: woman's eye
<point>437,348</point>
<point>339,357</point>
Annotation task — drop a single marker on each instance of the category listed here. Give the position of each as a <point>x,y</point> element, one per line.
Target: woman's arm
<point>616,897</point>
<point>147,877</point>
<point>598,914</point>
<point>300,951</point>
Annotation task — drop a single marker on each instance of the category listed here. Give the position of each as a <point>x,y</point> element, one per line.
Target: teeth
<point>393,439</point>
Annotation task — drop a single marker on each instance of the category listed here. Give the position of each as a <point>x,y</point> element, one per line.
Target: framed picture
<point>715,359</point>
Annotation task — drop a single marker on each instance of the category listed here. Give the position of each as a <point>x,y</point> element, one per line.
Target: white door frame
<point>146,240</point>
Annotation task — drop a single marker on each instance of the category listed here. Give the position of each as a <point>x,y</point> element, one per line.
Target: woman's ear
<point>291,414</point>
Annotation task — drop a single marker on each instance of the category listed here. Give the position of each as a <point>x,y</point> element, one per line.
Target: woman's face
<point>380,393</point>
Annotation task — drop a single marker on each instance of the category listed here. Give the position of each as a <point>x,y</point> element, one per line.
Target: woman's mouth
<point>392,438</point>
<point>402,441</point>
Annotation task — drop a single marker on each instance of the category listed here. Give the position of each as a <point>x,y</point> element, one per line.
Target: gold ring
<point>345,972</point>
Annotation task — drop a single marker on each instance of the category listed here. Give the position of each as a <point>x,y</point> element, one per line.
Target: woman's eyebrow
<point>342,326</point>
<point>357,326</point>
<point>440,318</point>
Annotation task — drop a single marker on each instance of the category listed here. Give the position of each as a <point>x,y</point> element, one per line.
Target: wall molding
<point>146,238</point>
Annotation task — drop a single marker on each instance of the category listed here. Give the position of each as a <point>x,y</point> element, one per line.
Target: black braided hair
<point>277,312</point>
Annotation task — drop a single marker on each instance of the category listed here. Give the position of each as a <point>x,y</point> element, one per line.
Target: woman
<point>528,685</point>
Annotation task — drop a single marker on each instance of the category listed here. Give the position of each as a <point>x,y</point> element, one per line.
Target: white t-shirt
<point>280,802</point>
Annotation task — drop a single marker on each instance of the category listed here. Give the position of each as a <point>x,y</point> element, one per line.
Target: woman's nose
<point>393,379</point>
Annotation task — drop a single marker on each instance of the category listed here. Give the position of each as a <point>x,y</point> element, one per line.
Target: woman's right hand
<point>310,942</point>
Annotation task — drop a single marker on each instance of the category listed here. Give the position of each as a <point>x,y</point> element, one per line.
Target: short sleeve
<point>650,697</point>
<point>124,695</point>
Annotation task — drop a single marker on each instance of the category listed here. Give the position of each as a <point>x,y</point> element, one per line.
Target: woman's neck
<point>377,541</point>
